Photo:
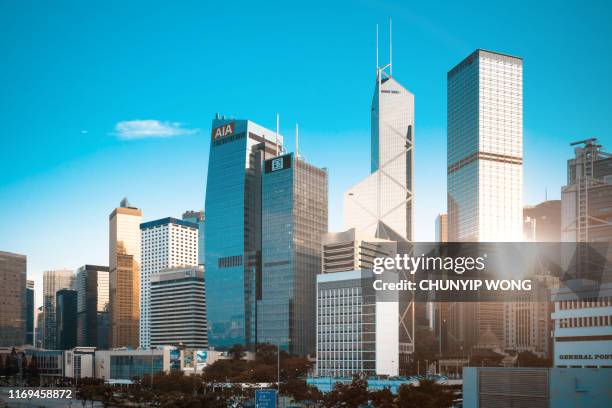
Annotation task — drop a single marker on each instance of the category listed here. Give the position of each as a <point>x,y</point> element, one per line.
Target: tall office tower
<point>29,333</point>
<point>485,169</point>
<point>66,318</point>
<point>12,298</point>
<point>197,217</point>
<point>542,222</point>
<point>233,228</point>
<point>485,148</point>
<point>40,325</point>
<point>586,213</point>
<point>348,251</point>
<point>294,219</point>
<point>53,281</point>
<point>441,228</point>
<point>166,243</point>
<point>124,275</point>
<point>357,333</point>
<point>381,205</point>
<point>92,286</point>
<point>178,308</point>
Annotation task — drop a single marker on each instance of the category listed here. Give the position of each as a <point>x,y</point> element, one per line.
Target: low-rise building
<point>129,364</point>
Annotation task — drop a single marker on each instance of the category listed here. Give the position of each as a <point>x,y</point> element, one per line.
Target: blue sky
<point>76,76</point>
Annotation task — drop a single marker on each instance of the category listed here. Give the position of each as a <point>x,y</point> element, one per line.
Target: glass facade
<point>124,275</point>
<point>66,319</point>
<point>294,218</point>
<point>135,366</point>
<point>381,204</point>
<point>233,230</point>
<point>92,306</point>
<point>485,148</point>
<point>52,282</point>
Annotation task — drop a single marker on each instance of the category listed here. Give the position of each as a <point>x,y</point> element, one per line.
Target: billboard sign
<point>278,163</point>
<point>265,398</point>
<point>223,131</point>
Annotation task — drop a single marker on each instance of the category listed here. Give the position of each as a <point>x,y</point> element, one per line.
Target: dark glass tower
<point>294,218</point>
<point>66,318</point>
<point>233,228</point>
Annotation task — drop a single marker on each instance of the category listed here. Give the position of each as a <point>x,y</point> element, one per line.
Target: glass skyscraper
<point>485,148</point>
<point>233,231</point>
<point>53,281</point>
<point>381,205</point>
<point>484,171</point>
<point>92,286</point>
<point>294,219</point>
<point>124,275</point>
<point>66,318</point>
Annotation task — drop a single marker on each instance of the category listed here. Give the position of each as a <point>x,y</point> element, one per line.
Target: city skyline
<point>50,184</point>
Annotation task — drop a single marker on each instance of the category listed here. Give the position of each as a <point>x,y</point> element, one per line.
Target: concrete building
<point>124,275</point>
<point>357,333</point>
<point>441,228</point>
<point>536,387</point>
<point>40,324</point>
<point>178,308</point>
<point>30,309</point>
<point>66,318</point>
<point>92,286</point>
<point>166,243</point>
<point>233,228</point>
<point>542,222</point>
<point>79,362</point>
<point>294,218</point>
<point>197,217</point>
<point>12,299</point>
<point>53,281</point>
<point>130,364</point>
<point>582,321</point>
<point>349,250</point>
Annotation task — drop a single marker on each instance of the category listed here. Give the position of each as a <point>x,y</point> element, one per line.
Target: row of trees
<point>15,368</point>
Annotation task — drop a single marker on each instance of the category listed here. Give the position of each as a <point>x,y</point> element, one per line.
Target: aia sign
<point>222,131</point>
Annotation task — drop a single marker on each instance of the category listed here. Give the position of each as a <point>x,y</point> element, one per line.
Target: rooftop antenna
<point>277,124</point>
<point>376,49</point>
<point>297,151</point>
<point>390,47</point>
<point>545,193</point>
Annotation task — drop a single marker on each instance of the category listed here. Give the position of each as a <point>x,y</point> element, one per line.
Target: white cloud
<point>139,129</point>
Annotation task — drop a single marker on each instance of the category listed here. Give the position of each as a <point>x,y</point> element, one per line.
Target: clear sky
<point>89,88</point>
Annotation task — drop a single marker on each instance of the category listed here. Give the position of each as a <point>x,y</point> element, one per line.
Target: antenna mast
<point>277,123</point>
<point>297,151</point>
<point>390,47</point>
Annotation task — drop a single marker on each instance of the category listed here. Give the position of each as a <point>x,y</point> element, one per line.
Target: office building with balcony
<point>233,228</point>
<point>197,217</point>
<point>166,243</point>
<point>294,219</point>
<point>178,308</point>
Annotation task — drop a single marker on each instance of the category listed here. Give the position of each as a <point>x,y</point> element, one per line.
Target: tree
<point>382,398</point>
<point>32,371</point>
<point>348,395</point>
<point>428,394</point>
<point>237,351</point>
<point>528,359</point>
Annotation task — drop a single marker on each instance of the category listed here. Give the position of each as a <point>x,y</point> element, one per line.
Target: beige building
<point>12,299</point>
<point>124,275</point>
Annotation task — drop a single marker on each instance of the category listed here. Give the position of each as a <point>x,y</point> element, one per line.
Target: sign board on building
<point>223,131</point>
<point>278,163</point>
<point>265,398</point>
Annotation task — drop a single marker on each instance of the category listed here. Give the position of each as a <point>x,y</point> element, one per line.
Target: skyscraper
<point>92,286</point>
<point>166,243</point>
<point>233,228</point>
<point>124,275</point>
<point>381,205</point>
<point>197,217</point>
<point>485,148</point>
<point>178,308</point>
<point>294,218</point>
<point>53,281</point>
<point>12,299</point>
<point>66,318</point>
<point>484,171</point>
<point>441,228</point>
<point>542,222</point>
<point>29,334</point>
